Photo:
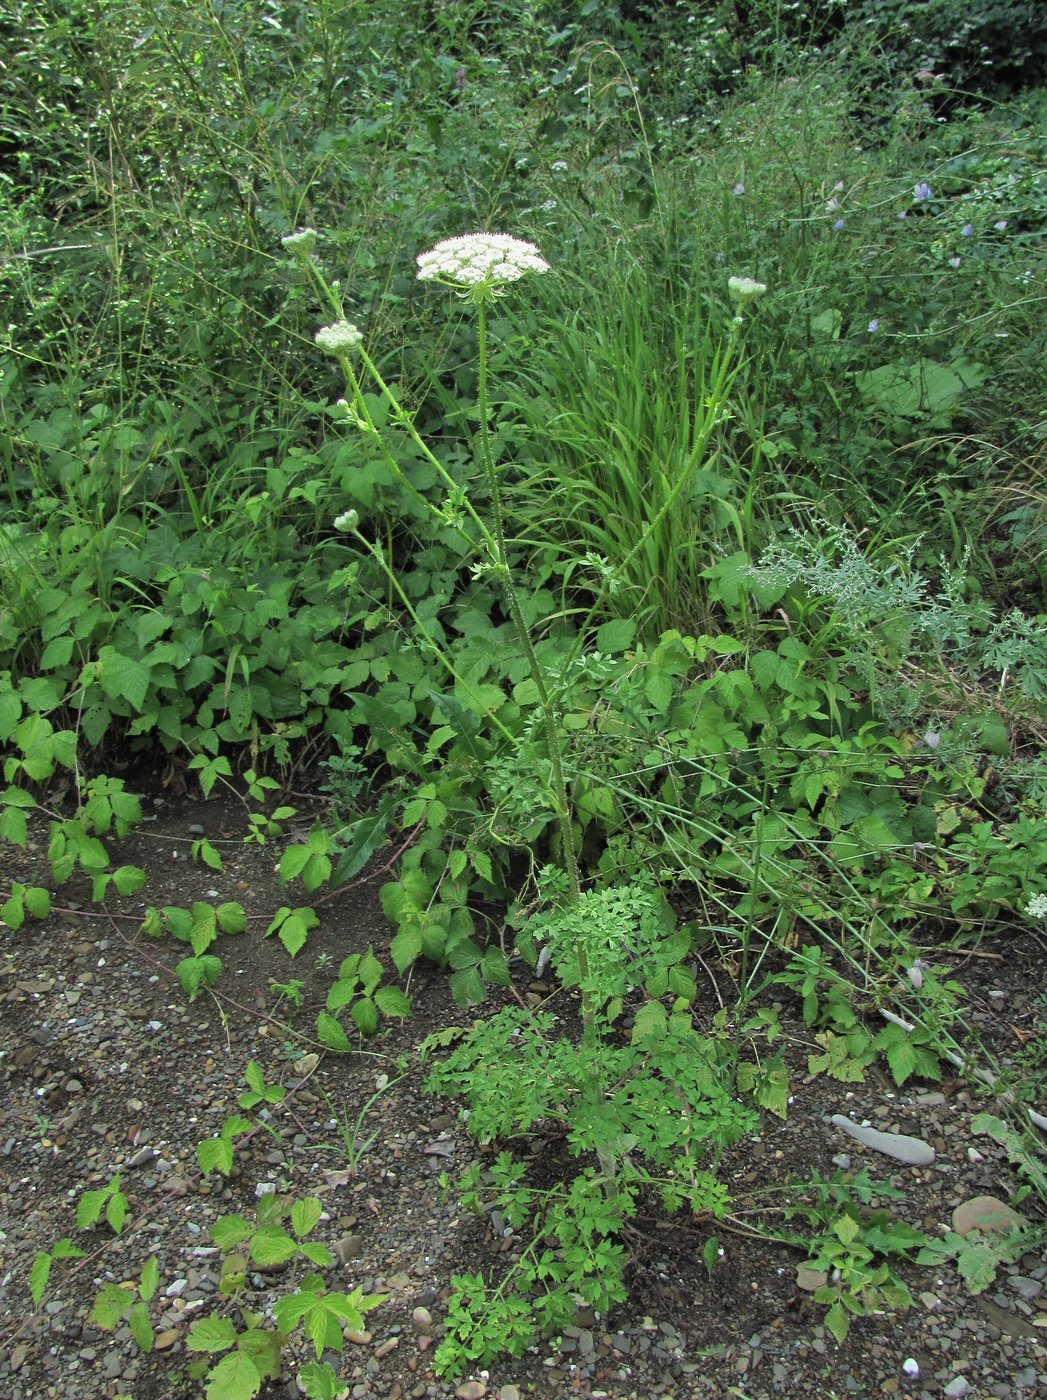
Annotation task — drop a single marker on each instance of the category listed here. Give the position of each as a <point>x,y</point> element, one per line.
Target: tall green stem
<point>595,1087</point>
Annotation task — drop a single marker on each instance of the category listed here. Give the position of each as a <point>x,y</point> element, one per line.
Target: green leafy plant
<point>115,1305</point>
<point>648,1111</point>
<point>853,1247</point>
<point>358,986</point>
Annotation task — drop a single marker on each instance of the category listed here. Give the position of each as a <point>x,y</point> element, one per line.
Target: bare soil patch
<point>106,1067</point>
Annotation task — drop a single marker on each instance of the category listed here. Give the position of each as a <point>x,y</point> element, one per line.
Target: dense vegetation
<point>662,616</point>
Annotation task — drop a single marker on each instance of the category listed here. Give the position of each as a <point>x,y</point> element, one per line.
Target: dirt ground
<point>106,1067</point>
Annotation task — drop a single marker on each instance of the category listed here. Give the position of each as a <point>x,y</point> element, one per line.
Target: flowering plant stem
<point>480,267</point>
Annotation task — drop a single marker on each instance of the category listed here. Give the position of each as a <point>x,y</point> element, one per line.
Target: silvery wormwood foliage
<point>861,592</point>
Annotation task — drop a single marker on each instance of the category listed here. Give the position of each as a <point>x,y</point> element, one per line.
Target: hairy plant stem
<point>595,1087</point>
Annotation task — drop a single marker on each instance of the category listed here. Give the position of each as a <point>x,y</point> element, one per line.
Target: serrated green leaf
<point>150,1280</point>
<point>194,973</point>
<point>456,862</point>
<point>263,1347</point>
<point>481,863</point>
<point>294,931</point>
<point>901,1057</point>
<point>112,1305</point>
<point>365,1016</point>
<point>234,1272</point>
<point>13,826</point>
<point>10,713</point>
<point>66,1249</point>
<point>467,987</point>
<point>838,1322</point>
<point>290,1309</point>
<point>358,842</point>
<point>89,1208</point>
<point>116,1211</point>
<point>231,917</point>
<point>406,947</point>
<point>236,1377</point>
<point>215,1154</point>
<point>658,687</point>
<point>371,971</point>
<point>322,1328</point>
<point>209,855</point>
<point>616,635</point>
<point>230,1230</point>
<point>650,1021</point>
<point>57,653</point>
<point>496,967</point>
<point>391,1001</point>
<point>331,1034</point>
<point>341,993</point>
<point>211,1334</point>
<point>293,862</point>
<point>128,879</point>
<point>320,1380</point>
<point>304,1215</point>
<point>141,1328</point>
<point>846,1229</point>
<point>12,911</point>
<point>38,902</point>
<point>317,1254</point>
<point>272,1245</point>
<point>122,678</point>
<point>254,1077</point>
<point>977,1265</point>
<point>38,1276</point>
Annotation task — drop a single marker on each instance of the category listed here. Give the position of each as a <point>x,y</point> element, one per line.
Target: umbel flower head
<point>339,338</point>
<point>480,265</point>
<point>302,241</point>
<point>743,289</point>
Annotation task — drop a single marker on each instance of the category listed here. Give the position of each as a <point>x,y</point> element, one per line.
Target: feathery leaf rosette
<point>339,338</point>
<point>480,265</point>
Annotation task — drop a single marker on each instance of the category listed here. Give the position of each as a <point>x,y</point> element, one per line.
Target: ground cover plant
<point>606,461</point>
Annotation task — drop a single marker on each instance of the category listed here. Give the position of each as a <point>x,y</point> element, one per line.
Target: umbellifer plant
<point>643,1106</point>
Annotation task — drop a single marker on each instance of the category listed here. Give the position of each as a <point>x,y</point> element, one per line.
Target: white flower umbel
<point>480,265</point>
<point>339,338</point>
<point>1037,907</point>
<point>302,241</point>
<point>347,521</point>
<point>743,289</point>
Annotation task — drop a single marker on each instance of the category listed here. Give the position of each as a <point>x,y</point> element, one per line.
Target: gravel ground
<point>106,1067</point>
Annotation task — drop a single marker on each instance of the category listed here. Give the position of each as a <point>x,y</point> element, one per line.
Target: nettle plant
<point>648,1106</point>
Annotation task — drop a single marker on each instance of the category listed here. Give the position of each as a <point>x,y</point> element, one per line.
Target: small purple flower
<point>739,188</point>
<point>874,326</point>
<point>916,974</point>
<point>921,192</point>
<point>966,231</point>
<point>932,739</point>
<point>904,214</point>
<point>1000,225</point>
<point>832,205</point>
<point>838,224</point>
<point>955,262</point>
